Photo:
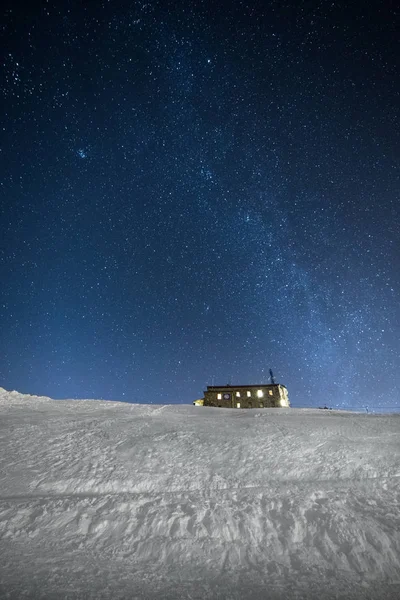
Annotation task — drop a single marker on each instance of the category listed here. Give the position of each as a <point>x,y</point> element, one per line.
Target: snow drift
<point>112,500</point>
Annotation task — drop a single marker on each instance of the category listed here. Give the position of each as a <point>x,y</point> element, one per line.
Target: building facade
<point>266,395</point>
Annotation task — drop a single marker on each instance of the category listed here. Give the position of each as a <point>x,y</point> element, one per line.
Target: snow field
<point>110,500</point>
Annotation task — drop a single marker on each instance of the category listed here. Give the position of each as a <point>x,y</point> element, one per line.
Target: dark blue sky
<point>194,192</point>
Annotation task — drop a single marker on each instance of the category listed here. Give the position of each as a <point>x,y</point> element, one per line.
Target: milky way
<point>196,192</point>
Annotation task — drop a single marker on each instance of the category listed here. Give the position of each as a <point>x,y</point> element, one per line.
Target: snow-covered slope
<point>111,500</point>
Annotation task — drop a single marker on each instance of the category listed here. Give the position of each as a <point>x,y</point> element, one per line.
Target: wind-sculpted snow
<point>110,500</point>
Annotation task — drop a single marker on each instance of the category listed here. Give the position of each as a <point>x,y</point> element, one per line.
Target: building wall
<point>262,396</point>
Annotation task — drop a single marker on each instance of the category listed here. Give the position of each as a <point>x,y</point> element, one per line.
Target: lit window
<point>271,393</point>
<point>261,404</point>
<point>219,396</point>
<point>238,405</point>
<point>260,393</point>
<point>238,394</point>
<point>249,394</point>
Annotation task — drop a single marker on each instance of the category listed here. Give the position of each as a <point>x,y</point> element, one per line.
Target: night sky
<point>194,192</point>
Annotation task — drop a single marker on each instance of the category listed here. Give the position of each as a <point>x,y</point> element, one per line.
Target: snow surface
<point>107,500</point>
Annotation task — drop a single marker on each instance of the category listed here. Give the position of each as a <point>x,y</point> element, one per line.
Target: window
<point>260,393</point>
<point>237,404</point>
<point>238,394</point>
<point>249,394</point>
<point>219,396</point>
<point>271,393</point>
<point>261,404</point>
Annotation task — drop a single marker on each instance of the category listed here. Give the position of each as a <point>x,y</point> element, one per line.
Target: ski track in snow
<point>109,500</point>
